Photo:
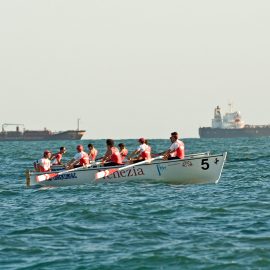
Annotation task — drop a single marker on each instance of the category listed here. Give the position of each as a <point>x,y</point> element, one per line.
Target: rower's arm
<point>133,153</point>
<point>106,156</point>
<point>166,154</point>
<point>71,163</point>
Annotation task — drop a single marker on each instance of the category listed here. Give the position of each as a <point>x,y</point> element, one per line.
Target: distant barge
<point>231,125</point>
<point>38,135</point>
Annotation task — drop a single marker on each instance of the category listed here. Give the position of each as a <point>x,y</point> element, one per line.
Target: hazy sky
<point>129,69</point>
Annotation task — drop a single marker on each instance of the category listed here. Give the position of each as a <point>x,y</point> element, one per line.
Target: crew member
<point>123,151</point>
<point>143,152</point>
<point>150,148</point>
<point>80,159</point>
<point>44,164</point>
<point>92,152</point>
<point>177,148</point>
<point>112,156</point>
<point>58,156</point>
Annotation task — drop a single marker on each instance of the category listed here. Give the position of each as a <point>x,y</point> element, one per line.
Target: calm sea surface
<point>138,225</point>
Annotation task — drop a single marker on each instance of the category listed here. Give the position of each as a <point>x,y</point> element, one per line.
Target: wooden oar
<point>111,171</point>
<point>48,176</point>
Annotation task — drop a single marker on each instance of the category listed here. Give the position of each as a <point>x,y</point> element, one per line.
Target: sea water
<point>138,225</point>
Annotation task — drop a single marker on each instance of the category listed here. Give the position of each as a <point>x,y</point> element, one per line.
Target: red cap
<point>142,140</point>
<point>80,147</point>
<point>46,152</point>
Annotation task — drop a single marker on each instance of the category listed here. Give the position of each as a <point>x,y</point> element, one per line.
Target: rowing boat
<point>198,168</point>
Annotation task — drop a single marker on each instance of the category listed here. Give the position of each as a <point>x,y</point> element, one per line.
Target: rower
<point>80,159</point>
<point>177,148</point>
<point>123,151</point>
<point>92,152</point>
<point>44,164</point>
<point>143,152</point>
<point>112,156</point>
<point>58,156</point>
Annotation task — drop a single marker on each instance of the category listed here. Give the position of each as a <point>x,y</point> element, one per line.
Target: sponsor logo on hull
<point>64,176</point>
<point>132,172</point>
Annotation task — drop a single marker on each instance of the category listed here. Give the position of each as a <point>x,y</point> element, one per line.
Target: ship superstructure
<point>229,120</point>
<point>231,125</point>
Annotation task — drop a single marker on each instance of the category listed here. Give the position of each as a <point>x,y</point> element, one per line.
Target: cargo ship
<point>22,134</point>
<point>231,125</point>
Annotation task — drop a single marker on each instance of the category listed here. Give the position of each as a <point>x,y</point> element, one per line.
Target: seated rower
<point>92,152</point>
<point>43,164</point>
<point>123,151</point>
<point>150,148</point>
<point>79,160</point>
<point>177,148</point>
<point>143,152</point>
<point>57,158</point>
<point>112,157</point>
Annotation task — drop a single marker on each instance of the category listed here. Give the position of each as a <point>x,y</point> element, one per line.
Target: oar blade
<point>104,173</point>
<point>44,177</point>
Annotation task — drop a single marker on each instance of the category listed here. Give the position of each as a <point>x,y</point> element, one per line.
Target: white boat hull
<point>195,169</point>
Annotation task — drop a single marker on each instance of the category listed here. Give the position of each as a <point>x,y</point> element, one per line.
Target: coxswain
<point>123,151</point>
<point>112,156</point>
<point>143,152</point>
<point>44,164</point>
<point>177,148</point>
<point>92,152</point>
<point>80,159</point>
<point>57,158</point>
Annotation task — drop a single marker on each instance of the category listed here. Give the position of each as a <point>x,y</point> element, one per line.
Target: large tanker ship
<point>22,134</point>
<point>231,125</point>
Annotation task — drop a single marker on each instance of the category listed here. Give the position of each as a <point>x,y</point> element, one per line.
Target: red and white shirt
<point>123,153</point>
<point>178,149</point>
<point>115,156</point>
<point>145,151</point>
<point>82,157</point>
<point>44,164</point>
<point>58,159</point>
<point>93,154</point>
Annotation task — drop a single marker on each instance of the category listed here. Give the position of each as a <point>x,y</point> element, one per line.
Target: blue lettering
<point>161,168</point>
<point>65,176</point>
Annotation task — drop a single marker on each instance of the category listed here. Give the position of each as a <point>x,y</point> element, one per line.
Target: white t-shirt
<point>45,163</point>
<point>173,147</point>
<point>78,156</point>
<point>142,148</point>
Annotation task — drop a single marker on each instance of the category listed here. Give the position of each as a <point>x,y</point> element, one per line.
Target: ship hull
<point>253,132</point>
<point>41,136</point>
